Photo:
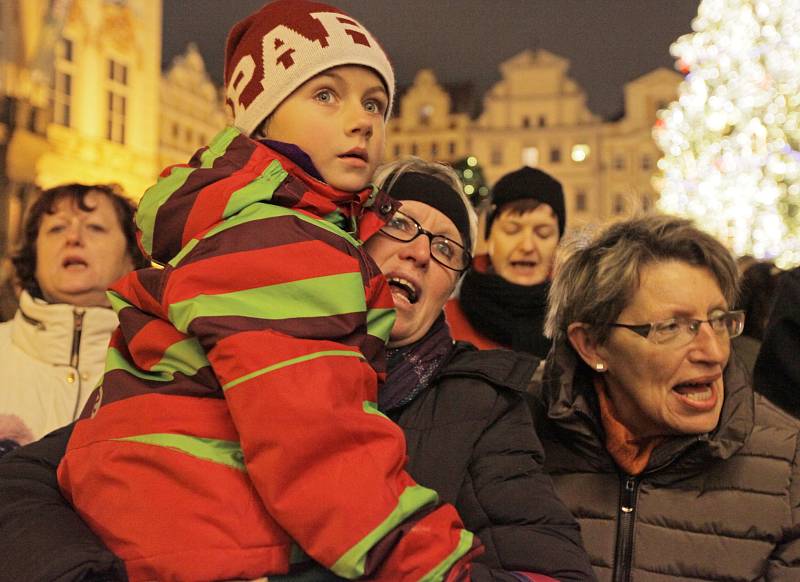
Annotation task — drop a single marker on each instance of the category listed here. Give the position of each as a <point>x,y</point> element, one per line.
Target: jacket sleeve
<point>285,329</point>
<point>44,539</point>
<point>531,529</point>
<point>777,369</point>
<point>784,564</point>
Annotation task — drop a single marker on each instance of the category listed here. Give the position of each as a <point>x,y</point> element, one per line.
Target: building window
<point>397,150</point>
<point>530,156</point>
<point>619,204</point>
<point>647,162</point>
<point>619,162</point>
<point>434,149</point>
<point>117,101</point>
<point>414,149</point>
<point>63,71</point>
<point>646,203</point>
<point>542,121</point>
<point>526,121</point>
<point>555,155</point>
<point>176,131</point>
<point>451,148</point>
<point>425,114</point>
<point>496,157</point>
<point>581,201</point>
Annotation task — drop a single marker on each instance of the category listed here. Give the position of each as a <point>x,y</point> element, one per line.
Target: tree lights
<point>731,142</point>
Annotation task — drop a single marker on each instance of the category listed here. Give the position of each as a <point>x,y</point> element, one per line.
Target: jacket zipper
<point>627,517</point>
<point>75,354</point>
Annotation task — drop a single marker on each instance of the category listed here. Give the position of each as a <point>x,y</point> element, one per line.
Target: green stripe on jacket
<point>218,451</point>
<point>352,563</point>
<point>165,187</point>
<point>325,296</point>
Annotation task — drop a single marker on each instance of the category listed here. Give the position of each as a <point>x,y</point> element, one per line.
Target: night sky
<point>609,42</point>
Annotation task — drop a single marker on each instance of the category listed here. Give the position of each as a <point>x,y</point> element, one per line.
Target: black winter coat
<point>470,437</point>
<point>722,506</point>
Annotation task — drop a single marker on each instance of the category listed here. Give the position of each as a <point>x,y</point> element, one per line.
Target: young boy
<point>236,427</point>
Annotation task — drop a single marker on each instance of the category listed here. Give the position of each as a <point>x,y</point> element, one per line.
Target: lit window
<point>580,152</point>
<point>63,73</point>
<point>117,101</point>
<point>530,156</point>
<point>425,114</point>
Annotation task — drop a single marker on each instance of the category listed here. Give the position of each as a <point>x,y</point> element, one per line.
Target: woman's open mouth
<point>697,395</point>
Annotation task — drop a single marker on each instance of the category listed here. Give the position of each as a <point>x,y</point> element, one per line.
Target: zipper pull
<point>627,497</point>
<point>77,328</point>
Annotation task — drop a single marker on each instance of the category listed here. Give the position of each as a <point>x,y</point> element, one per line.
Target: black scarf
<point>411,367</point>
<point>509,314</point>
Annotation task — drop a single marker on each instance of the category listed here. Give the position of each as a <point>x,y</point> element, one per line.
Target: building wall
<point>191,108</point>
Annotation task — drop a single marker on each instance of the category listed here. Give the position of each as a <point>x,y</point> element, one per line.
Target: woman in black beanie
<point>503,298</point>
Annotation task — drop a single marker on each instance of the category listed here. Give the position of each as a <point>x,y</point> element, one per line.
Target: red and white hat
<point>272,52</point>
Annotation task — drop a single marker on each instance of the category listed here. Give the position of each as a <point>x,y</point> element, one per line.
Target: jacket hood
<point>570,403</point>
<point>226,177</point>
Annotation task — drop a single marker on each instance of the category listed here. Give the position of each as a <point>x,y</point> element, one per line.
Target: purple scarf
<point>411,368</point>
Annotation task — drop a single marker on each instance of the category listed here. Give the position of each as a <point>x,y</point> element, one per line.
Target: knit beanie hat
<point>530,183</point>
<point>272,52</point>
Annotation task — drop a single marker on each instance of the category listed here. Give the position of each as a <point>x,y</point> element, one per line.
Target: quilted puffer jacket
<point>717,506</point>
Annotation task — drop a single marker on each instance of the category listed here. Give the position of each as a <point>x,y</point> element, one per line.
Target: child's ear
<point>587,346</point>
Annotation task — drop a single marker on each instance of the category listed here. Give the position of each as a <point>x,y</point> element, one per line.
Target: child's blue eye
<point>325,96</point>
<point>374,106</point>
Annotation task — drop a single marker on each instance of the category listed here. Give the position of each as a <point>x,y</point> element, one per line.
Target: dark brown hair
<point>25,258</point>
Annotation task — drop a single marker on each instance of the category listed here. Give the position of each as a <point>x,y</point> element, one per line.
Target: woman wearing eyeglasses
<point>652,434</point>
<point>467,426</point>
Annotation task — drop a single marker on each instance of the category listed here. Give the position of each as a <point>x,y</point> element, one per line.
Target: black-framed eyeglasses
<point>444,251</point>
<point>680,331</point>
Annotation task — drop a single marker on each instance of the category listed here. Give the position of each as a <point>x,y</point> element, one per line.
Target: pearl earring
<point>600,367</point>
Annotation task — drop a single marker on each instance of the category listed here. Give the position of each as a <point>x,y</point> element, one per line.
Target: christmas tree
<point>731,142</point>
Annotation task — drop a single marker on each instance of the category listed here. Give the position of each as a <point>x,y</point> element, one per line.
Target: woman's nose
<point>528,242</point>
<point>418,250</point>
<point>74,234</point>
<point>710,346</point>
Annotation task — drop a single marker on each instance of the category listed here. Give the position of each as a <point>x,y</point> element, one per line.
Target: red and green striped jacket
<point>235,430</point>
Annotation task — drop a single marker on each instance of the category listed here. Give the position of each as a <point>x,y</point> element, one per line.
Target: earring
<point>600,367</point>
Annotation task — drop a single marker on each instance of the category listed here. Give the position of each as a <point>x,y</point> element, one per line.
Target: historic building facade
<point>537,115</point>
<point>83,98</point>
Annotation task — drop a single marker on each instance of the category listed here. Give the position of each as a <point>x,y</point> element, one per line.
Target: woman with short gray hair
<point>653,436</point>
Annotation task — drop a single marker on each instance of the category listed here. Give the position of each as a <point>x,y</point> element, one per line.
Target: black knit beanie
<point>531,183</point>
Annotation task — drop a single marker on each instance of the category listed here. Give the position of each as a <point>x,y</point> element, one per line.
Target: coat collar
<point>46,331</point>
<point>570,403</point>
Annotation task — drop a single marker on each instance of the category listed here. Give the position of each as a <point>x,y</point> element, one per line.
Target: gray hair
<point>596,279</point>
<point>387,174</point>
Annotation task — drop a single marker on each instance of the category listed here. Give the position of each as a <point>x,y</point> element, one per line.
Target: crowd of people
<point>289,365</point>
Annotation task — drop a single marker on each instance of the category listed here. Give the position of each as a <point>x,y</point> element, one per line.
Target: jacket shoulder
<point>499,368</point>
